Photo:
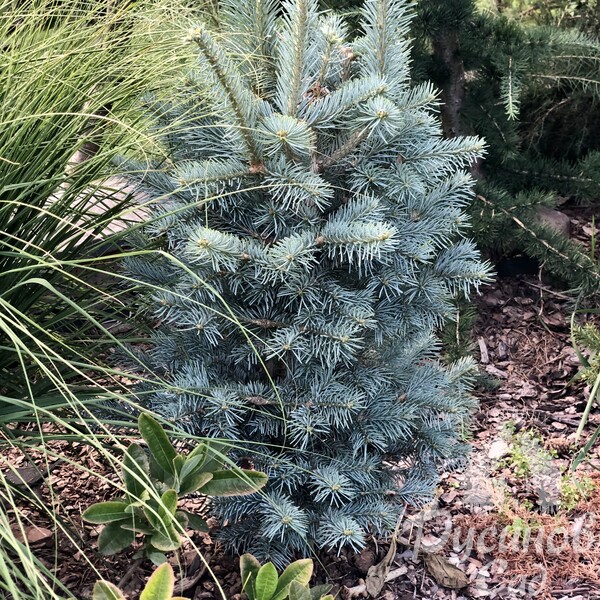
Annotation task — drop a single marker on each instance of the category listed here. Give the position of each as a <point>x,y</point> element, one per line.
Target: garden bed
<point>528,420</point>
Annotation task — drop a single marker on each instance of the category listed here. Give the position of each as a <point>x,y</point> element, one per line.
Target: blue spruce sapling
<point>315,220</point>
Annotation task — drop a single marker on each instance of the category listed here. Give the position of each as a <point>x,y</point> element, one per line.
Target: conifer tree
<point>316,215</point>
<point>532,91</point>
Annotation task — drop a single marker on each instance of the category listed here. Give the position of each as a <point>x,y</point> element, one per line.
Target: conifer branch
<point>301,26</point>
<point>236,101</point>
<point>265,323</point>
<point>331,44</point>
<point>292,49</point>
<point>342,152</point>
<point>382,42</point>
<point>571,260</point>
<point>250,30</point>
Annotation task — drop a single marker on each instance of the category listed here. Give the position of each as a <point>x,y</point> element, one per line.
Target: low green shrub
<point>160,586</point>
<point>262,582</point>
<point>574,488</point>
<point>154,482</point>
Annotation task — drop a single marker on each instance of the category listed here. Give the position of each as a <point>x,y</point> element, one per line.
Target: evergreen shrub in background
<point>533,92</point>
<point>316,218</point>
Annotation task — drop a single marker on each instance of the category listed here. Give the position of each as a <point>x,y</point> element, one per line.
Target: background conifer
<point>531,88</point>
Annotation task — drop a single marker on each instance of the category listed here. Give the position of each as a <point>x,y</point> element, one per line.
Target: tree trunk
<point>446,51</point>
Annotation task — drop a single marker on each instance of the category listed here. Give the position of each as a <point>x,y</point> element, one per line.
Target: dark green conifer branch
<point>532,91</point>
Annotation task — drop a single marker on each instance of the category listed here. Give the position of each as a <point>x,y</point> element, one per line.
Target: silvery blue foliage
<point>316,216</point>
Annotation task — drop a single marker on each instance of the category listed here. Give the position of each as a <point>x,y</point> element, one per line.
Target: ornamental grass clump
<point>315,220</point>
<point>69,90</point>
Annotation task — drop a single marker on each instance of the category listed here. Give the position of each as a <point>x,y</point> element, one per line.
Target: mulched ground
<point>506,531</point>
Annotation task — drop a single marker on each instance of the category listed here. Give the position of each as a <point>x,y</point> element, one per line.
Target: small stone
<point>36,534</point>
<point>555,220</point>
<point>498,449</point>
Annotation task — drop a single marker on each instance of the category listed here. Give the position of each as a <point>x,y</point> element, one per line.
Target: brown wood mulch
<point>486,521</point>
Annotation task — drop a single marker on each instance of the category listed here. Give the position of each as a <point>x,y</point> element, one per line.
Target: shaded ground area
<point>518,522</point>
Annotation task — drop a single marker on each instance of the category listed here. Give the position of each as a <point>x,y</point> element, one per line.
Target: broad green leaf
<point>168,503</point>
<point>113,538</point>
<point>300,571</point>
<point>136,471</point>
<point>162,480</point>
<point>137,521</point>
<point>194,482</point>
<point>195,522</point>
<point>201,450</point>
<point>182,518</point>
<point>192,464</point>
<point>215,456</point>
<point>158,442</point>
<point>151,512</point>
<point>160,585</point>
<point>266,582</point>
<point>178,463</point>
<point>105,512</point>
<point>166,512</point>
<point>138,527</point>
<point>234,483</point>
<point>156,557</point>
<point>320,591</point>
<point>249,567</point>
<point>299,591</point>
<point>166,540</point>
<point>103,590</point>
